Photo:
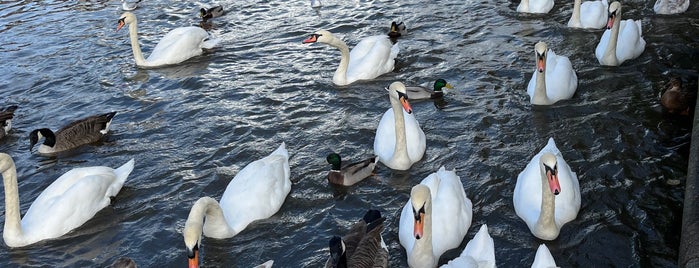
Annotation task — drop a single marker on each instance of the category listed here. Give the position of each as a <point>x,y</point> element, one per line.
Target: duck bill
<point>553,183</point>
<point>406,105</point>
<point>419,226</point>
<point>449,86</point>
<point>194,261</point>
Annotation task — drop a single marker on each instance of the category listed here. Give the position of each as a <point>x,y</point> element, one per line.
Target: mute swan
<point>423,93</point>
<point>176,46</point>
<point>6,116</point>
<point>479,252</point>
<point>621,41</point>
<point>547,193</point>
<point>435,219</point>
<point>256,192</point>
<point>211,12</point>
<point>128,6</point>
<point>362,246</point>
<point>554,78</point>
<point>399,141</point>
<point>73,135</point>
<point>67,203</point>
<point>679,99</point>
<point>589,15</point>
<point>123,262</point>
<point>543,258</point>
<point>670,6</point>
<point>535,6</point>
<point>349,174</point>
<point>371,57</point>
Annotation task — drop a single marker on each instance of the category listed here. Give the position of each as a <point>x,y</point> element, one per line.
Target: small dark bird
<point>210,13</point>
<point>679,99</point>
<point>75,134</point>
<point>6,116</point>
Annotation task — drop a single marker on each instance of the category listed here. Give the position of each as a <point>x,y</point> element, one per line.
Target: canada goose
<point>6,116</point>
<point>75,134</point>
<point>362,246</point>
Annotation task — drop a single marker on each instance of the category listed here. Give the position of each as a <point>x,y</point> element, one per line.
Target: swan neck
<point>13,226</point>
<point>540,96</point>
<point>575,18</point>
<point>135,46</point>
<point>546,219</point>
<point>610,52</point>
<point>401,147</point>
<point>340,77</point>
<point>422,254</point>
<point>206,216</point>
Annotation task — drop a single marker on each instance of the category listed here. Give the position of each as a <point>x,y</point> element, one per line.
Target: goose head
<point>397,92</point>
<point>321,36</point>
<point>540,50</point>
<point>614,13</point>
<point>335,160</point>
<point>37,134</point>
<point>421,201</point>
<point>126,18</point>
<point>337,251</point>
<point>549,170</point>
<point>192,240</point>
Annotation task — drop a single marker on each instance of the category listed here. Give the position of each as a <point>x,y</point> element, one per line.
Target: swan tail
<point>123,171</point>
<point>210,42</point>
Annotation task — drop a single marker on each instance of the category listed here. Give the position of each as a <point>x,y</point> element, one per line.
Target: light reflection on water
<point>192,127</point>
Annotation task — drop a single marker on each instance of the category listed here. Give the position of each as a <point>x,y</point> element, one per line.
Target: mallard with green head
<point>349,174</point>
<point>424,93</point>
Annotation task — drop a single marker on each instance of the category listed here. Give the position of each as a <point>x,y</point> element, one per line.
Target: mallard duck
<point>210,13</point>
<point>6,116</point>
<point>349,174</point>
<point>424,93</point>
<point>678,99</point>
<point>362,246</point>
<point>75,134</point>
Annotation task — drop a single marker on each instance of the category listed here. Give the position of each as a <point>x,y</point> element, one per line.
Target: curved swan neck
<point>401,147</point>
<point>540,96</point>
<point>206,216</point>
<point>575,17</point>
<point>610,52</point>
<point>135,46</point>
<point>546,221</point>
<point>422,254</point>
<point>524,5</point>
<point>340,77</point>
<point>13,226</point>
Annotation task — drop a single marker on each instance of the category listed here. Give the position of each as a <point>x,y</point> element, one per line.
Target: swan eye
<point>402,95</point>
<point>550,170</point>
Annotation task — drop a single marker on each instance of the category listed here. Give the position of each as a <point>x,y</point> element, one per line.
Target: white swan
<point>547,193</point>
<point>70,201</point>
<point>128,6</point>
<point>621,41</point>
<point>176,46</point>
<point>670,6</point>
<point>399,141</point>
<point>543,258</point>
<point>554,78</point>
<point>435,219</point>
<point>589,15</point>
<point>535,6</point>
<point>371,57</point>
<point>256,192</point>
<point>478,253</point>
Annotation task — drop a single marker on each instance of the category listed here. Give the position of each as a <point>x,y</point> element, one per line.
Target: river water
<point>191,127</point>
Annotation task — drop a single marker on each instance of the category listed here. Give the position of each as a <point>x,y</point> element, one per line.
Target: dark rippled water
<point>191,127</point>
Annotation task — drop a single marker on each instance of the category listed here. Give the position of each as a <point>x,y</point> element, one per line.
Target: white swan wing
<point>371,57</point>
<point>568,201</point>
<point>561,80</point>
<point>478,253</point>
<point>417,143</point>
<point>527,194</point>
<point>536,6</point>
<point>257,191</point>
<point>178,45</point>
<point>593,14</point>
<point>385,139</point>
<point>451,210</point>
<point>406,226</point>
<point>543,258</point>
<point>630,44</point>
<point>602,44</point>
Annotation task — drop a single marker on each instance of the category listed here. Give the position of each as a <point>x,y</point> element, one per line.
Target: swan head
<point>540,50</point>
<point>337,251</point>
<point>441,83</point>
<point>321,36</point>
<point>398,92</point>
<point>420,200</point>
<point>335,160</point>
<point>126,18</point>
<point>192,240</point>
<point>549,168</point>
<point>614,13</point>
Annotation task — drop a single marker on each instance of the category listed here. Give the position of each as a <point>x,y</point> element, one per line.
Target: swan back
<point>670,6</point>
<point>623,40</point>
<point>72,199</point>
<point>535,6</point>
<point>560,81</point>
<point>589,14</point>
<point>543,258</point>
<point>478,253</point>
<point>258,190</point>
<point>371,57</point>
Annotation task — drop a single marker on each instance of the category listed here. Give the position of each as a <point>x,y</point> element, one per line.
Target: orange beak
<point>406,105</point>
<point>120,25</point>
<point>419,226</point>
<point>312,39</point>
<point>610,22</point>
<point>553,182</point>
<point>194,261</point>
<point>540,64</point>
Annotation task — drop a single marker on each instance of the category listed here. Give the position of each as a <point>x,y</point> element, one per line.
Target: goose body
<point>209,13</point>
<point>623,40</point>
<point>589,15</point>
<point>678,99</point>
<point>6,116</point>
<point>176,46</point>
<point>256,192</point>
<point>547,193</point>
<point>424,93</point>
<point>362,246</point>
<point>371,57</point>
<point>399,141</point>
<point>435,219</point>
<point>70,201</point>
<point>478,253</point>
<point>554,78</point>
<point>129,6</point>
<point>80,132</point>
<point>349,174</point>
<point>535,6</point>
<point>543,258</point>
<point>670,6</point>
